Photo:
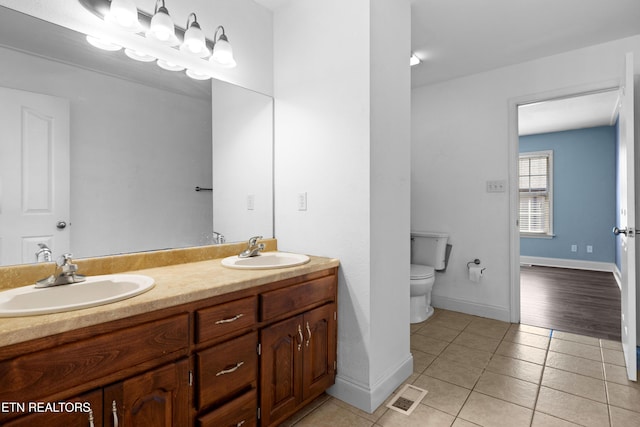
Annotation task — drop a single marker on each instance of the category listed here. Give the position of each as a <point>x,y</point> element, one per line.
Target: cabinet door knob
<point>301,337</point>
<point>308,335</point>
<point>114,412</point>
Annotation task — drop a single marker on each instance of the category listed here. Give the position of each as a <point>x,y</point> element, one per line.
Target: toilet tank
<point>429,248</point>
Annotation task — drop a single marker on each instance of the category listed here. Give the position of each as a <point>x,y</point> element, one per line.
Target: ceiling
<point>577,112</point>
<point>455,38</point>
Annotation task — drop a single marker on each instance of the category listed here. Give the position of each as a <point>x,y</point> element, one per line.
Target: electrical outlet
<point>574,248</point>
<point>589,249</point>
<point>499,186</point>
<point>251,202</point>
<point>302,201</point>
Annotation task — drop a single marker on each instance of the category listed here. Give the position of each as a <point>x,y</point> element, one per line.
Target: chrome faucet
<point>65,274</point>
<point>253,248</point>
<point>44,253</point>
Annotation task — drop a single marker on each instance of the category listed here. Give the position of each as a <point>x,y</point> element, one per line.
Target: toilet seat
<point>421,271</point>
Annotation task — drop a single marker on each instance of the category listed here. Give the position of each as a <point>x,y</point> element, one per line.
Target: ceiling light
<point>222,51</point>
<point>194,41</point>
<point>414,60</point>
<point>124,14</point>
<point>162,28</point>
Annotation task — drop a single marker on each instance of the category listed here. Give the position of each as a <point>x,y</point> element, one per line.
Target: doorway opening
<point>566,195</point>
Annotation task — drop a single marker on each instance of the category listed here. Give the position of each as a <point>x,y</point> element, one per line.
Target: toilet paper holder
<point>476,262</point>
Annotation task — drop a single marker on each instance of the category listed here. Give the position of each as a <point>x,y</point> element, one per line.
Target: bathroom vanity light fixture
<point>153,35</point>
<point>222,52</point>
<point>194,41</point>
<point>124,14</point>
<point>161,28</point>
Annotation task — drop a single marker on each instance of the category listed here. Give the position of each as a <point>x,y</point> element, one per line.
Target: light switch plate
<point>302,201</point>
<point>498,186</point>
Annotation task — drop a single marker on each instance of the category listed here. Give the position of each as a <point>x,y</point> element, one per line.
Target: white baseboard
<point>618,276</point>
<point>569,263</point>
<point>368,398</point>
<point>471,307</point>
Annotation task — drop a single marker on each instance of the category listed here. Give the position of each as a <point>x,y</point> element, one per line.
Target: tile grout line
<point>606,385</point>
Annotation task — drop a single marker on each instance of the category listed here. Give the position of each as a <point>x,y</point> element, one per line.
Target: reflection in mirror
<point>242,162</point>
<point>139,142</point>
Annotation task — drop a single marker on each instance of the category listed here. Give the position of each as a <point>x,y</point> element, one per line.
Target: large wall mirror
<point>140,140</point>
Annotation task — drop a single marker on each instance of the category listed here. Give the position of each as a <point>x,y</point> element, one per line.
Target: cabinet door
<point>281,368</point>
<point>319,350</point>
<point>158,398</point>
<point>70,415</point>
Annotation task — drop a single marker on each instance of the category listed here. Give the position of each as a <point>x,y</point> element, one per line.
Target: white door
<point>34,175</point>
<point>627,229</point>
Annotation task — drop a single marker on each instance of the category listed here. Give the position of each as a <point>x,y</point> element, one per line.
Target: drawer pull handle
<point>309,335</point>
<point>301,338</point>
<point>240,423</point>
<point>114,412</point>
<point>229,320</point>
<point>230,370</point>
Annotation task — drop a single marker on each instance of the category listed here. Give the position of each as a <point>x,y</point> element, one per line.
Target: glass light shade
<point>139,56</point>
<point>194,42</point>
<point>162,28</point>
<point>124,14</point>
<point>103,44</point>
<point>170,66</point>
<point>197,76</point>
<point>223,53</point>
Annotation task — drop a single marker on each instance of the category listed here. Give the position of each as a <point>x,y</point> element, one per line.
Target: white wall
<point>242,162</point>
<point>460,139</point>
<point>341,136</point>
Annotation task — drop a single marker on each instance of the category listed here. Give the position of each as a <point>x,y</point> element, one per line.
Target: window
<point>536,197</point>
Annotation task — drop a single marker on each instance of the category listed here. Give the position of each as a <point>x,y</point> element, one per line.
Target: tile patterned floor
<point>482,372</point>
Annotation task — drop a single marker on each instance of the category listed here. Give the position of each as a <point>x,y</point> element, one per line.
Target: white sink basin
<point>265,261</point>
<point>96,290</point>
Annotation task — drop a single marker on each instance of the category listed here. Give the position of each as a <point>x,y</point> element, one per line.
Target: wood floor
<point>578,301</point>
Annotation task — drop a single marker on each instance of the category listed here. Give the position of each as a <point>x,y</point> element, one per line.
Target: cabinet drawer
<point>297,297</point>
<point>222,319</point>
<point>227,368</point>
<point>239,412</point>
<point>54,370</point>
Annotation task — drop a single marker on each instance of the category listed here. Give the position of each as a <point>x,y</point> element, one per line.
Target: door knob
<point>61,224</point>
<point>627,231</point>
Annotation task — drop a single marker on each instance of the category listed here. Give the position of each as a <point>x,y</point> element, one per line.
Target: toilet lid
<point>421,271</point>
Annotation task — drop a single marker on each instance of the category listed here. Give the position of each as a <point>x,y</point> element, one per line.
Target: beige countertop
<point>174,285</point>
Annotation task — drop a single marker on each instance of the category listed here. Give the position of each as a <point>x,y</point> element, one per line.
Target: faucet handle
<point>254,240</point>
<point>64,259</point>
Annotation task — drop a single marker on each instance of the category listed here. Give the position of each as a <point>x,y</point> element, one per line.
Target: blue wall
<point>584,194</point>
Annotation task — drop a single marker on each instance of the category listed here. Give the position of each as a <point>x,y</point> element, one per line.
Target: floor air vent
<point>407,399</point>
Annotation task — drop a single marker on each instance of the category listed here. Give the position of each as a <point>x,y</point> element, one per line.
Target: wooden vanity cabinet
<point>158,398</point>
<point>298,354</point>
<point>251,358</point>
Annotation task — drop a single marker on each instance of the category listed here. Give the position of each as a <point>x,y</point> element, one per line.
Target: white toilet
<point>428,253</point>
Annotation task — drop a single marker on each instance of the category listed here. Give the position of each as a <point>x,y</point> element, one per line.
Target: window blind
<point>534,174</point>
